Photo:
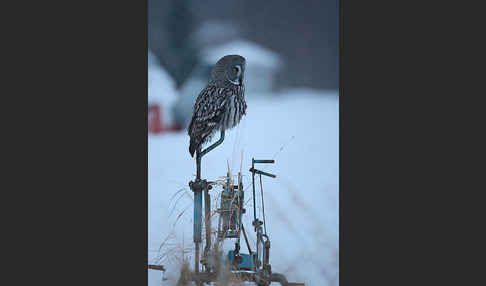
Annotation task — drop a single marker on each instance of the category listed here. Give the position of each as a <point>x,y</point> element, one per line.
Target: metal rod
<point>197,213</point>
<point>198,199</point>
<point>263,206</point>
<point>265,161</point>
<point>197,216</point>
<point>207,210</point>
<point>241,196</point>
<point>210,148</point>
<point>246,239</point>
<point>198,164</point>
<point>253,170</point>
<point>253,186</point>
<point>196,258</point>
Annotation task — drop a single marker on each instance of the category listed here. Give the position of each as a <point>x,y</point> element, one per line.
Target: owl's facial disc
<point>236,77</point>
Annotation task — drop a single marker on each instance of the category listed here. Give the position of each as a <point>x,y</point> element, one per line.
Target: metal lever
<point>255,171</point>
<point>264,161</point>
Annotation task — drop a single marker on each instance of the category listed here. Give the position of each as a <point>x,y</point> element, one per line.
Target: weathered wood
<point>156,267</point>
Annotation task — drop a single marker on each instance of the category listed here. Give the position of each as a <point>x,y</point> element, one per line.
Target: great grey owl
<point>221,104</point>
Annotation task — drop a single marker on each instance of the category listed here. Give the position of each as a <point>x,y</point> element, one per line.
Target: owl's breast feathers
<point>215,108</point>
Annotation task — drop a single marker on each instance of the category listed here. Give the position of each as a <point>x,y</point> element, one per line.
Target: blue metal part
<point>197,216</point>
<point>263,161</point>
<point>198,186</point>
<point>246,262</point>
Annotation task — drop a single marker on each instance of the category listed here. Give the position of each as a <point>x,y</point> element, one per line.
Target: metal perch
<point>198,186</point>
<point>255,266</point>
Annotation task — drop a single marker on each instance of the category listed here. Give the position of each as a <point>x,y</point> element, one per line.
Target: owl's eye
<point>235,69</point>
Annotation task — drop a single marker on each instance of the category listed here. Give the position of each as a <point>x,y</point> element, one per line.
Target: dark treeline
<point>304,33</point>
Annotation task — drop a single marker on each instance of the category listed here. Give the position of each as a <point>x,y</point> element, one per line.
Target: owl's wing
<point>209,105</point>
<point>208,111</point>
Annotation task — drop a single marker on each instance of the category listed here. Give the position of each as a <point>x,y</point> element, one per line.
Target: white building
<point>262,66</point>
<point>161,91</point>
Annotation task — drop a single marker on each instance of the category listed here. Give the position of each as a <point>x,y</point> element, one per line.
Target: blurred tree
<point>304,33</point>
<point>172,24</point>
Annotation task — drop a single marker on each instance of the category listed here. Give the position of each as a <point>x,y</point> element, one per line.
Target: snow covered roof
<point>161,86</point>
<point>254,53</point>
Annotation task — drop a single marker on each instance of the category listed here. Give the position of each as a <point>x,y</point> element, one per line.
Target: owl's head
<point>229,70</point>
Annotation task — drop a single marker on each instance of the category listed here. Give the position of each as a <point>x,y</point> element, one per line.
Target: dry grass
<point>171,252</point>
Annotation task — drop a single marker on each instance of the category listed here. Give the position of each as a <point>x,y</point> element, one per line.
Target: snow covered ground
<point>297,128</point>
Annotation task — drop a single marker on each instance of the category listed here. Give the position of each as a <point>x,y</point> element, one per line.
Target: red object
<point>155,123</point>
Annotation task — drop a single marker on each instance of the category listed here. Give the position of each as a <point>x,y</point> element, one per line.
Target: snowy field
<point>297,128</point>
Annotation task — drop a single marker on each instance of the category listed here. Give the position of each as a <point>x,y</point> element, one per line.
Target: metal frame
<point>260,270</point>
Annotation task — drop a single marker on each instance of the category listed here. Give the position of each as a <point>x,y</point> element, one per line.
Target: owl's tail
<point>193,145</point>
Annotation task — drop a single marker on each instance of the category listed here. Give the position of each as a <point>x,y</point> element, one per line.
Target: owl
<point>221,104</point>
